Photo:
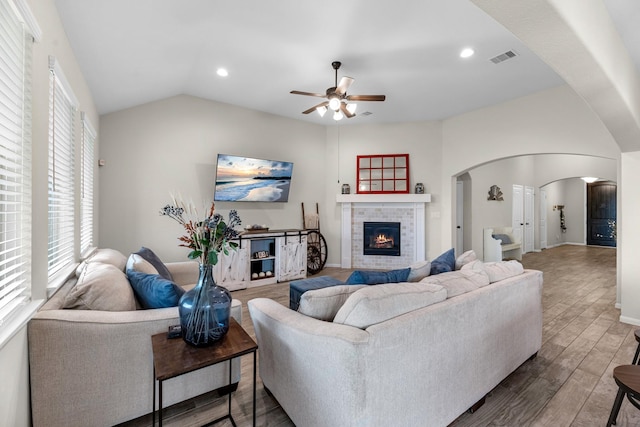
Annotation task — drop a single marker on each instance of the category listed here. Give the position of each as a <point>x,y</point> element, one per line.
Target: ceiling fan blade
<point>312,109</point>
<point>343,108</point>
<point>366,98</point>
<point>344,84</point>
<point>297,92</point>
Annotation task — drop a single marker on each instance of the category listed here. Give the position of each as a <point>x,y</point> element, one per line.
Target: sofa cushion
<point>459,282</point>
<point>153,290</point>
<point>505,239</point>
<point>375,304</point>
<point>465,258</point>
<point>106,256</point>
<point>445,262</point>
<point>154,260</point>
<point>501,270</point>
<point>362,277</point>
<point>137,263</point>
<point>323,304</point>
<point>101,287</point>
<point>419,271</point>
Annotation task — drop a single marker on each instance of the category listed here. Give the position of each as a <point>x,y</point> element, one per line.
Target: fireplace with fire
<point>381,238</point>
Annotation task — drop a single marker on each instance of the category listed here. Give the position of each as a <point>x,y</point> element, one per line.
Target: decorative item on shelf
<point>262,275</point>
<point>495,193</point>
<point>256,228</point>
<point>204,310</point>
<point>254,275</point>
<point>269,273</point>
<point>346,189</point>
<point>419,188</point>
<point>261,254</point>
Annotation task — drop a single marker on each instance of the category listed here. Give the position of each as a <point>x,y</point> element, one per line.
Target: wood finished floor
<point>569,384</point>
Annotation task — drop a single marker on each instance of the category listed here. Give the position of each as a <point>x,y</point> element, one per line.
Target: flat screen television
<point>245,179</point>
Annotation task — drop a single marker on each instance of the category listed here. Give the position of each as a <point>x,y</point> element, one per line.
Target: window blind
<point>15,161</point>
<point>62,108</point>
<point>86,184</point>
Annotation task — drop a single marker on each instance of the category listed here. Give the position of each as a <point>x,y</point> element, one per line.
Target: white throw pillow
<point>419,271</point>
<point>324,303</point>
<point>501,270</point>
<point>465,258</point>
<point>378,303</point>
<point>137,263</point>
<point>460,281</point>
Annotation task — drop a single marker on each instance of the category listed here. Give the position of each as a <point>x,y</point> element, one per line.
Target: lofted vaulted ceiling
<point>134,52</point>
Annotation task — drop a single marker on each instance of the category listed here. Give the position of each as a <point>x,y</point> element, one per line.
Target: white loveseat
<point>421,366</point>
<point>95,367</point>
<point>500,243</point>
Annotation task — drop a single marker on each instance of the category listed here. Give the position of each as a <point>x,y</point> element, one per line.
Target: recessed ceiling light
<point>222,72</point>
<point>466,52</point>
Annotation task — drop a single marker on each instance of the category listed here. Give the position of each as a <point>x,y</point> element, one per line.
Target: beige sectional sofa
<point>93,367</point>
<point>406,354</point>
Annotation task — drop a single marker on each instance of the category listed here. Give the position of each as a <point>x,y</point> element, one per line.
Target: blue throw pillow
<point>445,262</point>
<point>361,277</point>
<point>154,291</point>
<point>153,259</point>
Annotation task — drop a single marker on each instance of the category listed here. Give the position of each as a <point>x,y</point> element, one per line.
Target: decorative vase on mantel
<point>205,310</point>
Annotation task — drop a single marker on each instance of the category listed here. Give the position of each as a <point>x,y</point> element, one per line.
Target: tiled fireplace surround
<point>407,209</point>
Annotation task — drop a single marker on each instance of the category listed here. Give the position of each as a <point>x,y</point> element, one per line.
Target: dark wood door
<point>601,213</point>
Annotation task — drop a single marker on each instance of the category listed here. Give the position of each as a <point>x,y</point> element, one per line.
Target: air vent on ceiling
<point>366,113</point>
<point>503,57</point>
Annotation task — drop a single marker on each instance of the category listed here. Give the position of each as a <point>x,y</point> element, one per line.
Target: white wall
<point>171,146</point>
<point>572,194</point>
<point>421,140</point>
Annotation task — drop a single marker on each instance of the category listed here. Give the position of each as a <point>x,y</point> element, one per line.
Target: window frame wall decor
<point>87,171</point>
<point>382,174</point>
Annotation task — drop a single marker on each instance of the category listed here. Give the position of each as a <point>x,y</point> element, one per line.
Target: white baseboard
<point>630,320</point>
<point>618,305</point>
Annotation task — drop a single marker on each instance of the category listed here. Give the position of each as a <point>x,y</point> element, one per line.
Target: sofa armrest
<point>302,356</point>
<point>184,272</point>
<point>94,368</point>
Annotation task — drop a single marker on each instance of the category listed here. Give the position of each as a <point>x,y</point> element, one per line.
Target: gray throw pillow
<point>153,259</point>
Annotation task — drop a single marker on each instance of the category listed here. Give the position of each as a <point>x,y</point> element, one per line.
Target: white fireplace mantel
<point>415,201</point>
<point>383,198</point>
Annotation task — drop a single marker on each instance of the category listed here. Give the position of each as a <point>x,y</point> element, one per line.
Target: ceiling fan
<point>337,98</point>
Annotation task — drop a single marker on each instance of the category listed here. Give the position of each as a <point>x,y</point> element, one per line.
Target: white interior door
<point>517,212</point>
<point>543,219</point>
<point>459,217</point>
<point>529,214</point>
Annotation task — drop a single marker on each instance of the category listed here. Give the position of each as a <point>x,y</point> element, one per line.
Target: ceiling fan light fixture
<point>338,115</point>
<point>589,179</point>
<point>334,103</point>
<point>321,110</point>
<point>352,108</point>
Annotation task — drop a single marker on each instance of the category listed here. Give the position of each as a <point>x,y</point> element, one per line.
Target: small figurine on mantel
<point>495,193</point>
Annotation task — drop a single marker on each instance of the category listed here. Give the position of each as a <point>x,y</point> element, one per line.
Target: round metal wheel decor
<point>316,252</point>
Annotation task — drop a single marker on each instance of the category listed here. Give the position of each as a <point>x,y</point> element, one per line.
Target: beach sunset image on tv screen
<point>245,179</point>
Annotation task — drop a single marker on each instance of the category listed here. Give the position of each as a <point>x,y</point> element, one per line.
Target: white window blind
<point>62,108</point>
<point>15,160</point>
<point>86,184</point>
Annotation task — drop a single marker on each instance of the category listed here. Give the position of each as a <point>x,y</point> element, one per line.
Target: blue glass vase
<point>205,310</point>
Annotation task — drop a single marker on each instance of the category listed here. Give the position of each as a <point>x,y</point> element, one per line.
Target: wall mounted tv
<point>245,179</point>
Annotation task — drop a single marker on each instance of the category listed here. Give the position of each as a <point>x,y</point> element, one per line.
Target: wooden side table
<point>174,357</point>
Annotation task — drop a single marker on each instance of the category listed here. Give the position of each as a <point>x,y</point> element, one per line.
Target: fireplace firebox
<point>381,238</point>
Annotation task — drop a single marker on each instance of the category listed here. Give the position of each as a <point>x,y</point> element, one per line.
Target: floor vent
<point>503,57</point>
<point>366,113</point>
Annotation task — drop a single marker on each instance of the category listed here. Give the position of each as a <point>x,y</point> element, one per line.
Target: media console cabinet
<point>263,258</point>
